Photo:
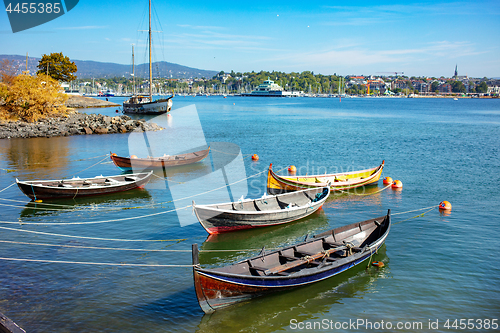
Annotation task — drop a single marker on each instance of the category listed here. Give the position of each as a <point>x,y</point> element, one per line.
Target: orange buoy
<point>38,200</point>
<point>397,184</point>
<point>292,169</point>
<point>133,156</point>
<point>255,157</point>
<point>378,263</point>
<point>387,181</point>
<point>445,205</point>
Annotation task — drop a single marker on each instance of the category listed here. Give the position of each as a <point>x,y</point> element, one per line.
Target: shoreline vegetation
<point>35,106</point>
<point>75,123</point>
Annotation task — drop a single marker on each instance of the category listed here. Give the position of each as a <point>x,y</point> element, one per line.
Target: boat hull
<point>72,188</point>
<point>158,163</point>
<point>277,184</point>
<point>218,288</point>
<point>133,106</point>
<point>253,214</point>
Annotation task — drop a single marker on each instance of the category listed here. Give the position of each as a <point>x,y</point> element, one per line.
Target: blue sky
<point>353,37</point>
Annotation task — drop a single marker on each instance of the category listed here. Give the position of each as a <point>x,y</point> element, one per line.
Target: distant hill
<point>95,69</point>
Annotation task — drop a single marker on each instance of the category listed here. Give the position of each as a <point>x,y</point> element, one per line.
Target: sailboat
<point>145,104</point>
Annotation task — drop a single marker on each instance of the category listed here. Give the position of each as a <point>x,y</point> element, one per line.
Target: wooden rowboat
<point>150,163</point>
<point>79,187</point>
<point>266,211</point>
<point>313,260</point>
<point>277,184</point>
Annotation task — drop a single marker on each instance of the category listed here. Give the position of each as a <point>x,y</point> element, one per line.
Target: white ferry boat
<point>270,89</point>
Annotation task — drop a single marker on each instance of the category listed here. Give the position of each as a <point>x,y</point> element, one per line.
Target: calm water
<point>438,266</point>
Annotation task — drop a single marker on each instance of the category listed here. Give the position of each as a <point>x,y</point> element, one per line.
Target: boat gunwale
<point>163,100</point>
<point>370,248</point>
<point>341,185</point>
<point>124,182</point>
<point>265,212</point>
<point>163,158</point>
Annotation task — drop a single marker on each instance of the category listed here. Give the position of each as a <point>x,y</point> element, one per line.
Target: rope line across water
<point>94,238</point>
<point>93,263</point>
<point>126,249</point>
<point>95,222</point>
<point>414,217</point>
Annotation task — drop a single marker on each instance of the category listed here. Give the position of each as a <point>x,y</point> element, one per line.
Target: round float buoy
<point>117,111</point>
<point>133,156</point>
<point>114,154</point>
<point>255,157</point>
<point>378,263</point>
<point>387,181</point>
<point>38,200</point>
<point>397,184</point>
<point>292,169</point>
<point>445,205</point>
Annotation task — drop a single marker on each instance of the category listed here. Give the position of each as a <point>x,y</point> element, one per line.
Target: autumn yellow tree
<point>8,70</point>
<point>30,98</point>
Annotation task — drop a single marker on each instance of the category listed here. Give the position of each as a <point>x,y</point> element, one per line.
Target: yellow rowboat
<point>338,181</point>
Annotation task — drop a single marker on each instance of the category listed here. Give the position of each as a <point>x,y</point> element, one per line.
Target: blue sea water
<point>438,267</point>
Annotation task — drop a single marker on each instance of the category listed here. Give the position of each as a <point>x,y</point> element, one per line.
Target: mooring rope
<point>120,208</point>
<point>215,189</point>
<point>165,178</point>
<point>382,189</point>
<point>223,152</point>
<point>126,249</point>
<point>72,208</point>
<point>95,222</point>
<point>419,215</point>
<point>8,187</point>
<point>93,247</point>
<point>415,210</point>
<point>90,158</point>
<point>94,238</point>
<point>93,263</point>
<point>93,165</point>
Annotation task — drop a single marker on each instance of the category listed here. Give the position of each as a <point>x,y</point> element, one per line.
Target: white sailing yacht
<point>145,104</point>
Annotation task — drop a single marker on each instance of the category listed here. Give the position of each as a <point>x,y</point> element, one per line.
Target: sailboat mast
<point>150,64</point>
<point>133,70</point>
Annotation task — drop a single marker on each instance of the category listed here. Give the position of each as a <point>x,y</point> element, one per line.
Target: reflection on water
<point>304,303</point>
<point>37,153</point>
<point>138,196</point>
<point>367,194</point>
<point>269,237</point>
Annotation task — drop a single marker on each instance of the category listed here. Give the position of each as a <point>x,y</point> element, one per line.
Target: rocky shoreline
<point>74,124</point>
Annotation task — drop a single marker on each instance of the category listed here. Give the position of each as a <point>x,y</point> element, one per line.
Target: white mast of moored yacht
<point>133,71</point>
<point>150,65</point>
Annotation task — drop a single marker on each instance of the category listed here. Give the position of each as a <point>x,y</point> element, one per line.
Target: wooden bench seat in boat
<point>267,204</point>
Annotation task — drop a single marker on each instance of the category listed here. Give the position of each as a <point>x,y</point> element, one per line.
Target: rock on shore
<point>74,124</point>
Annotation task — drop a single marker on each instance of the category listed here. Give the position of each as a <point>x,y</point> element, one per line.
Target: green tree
<point>57,66</point>
<point>482,88</point>
<point>434,85</point>
<point>458,87</point>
